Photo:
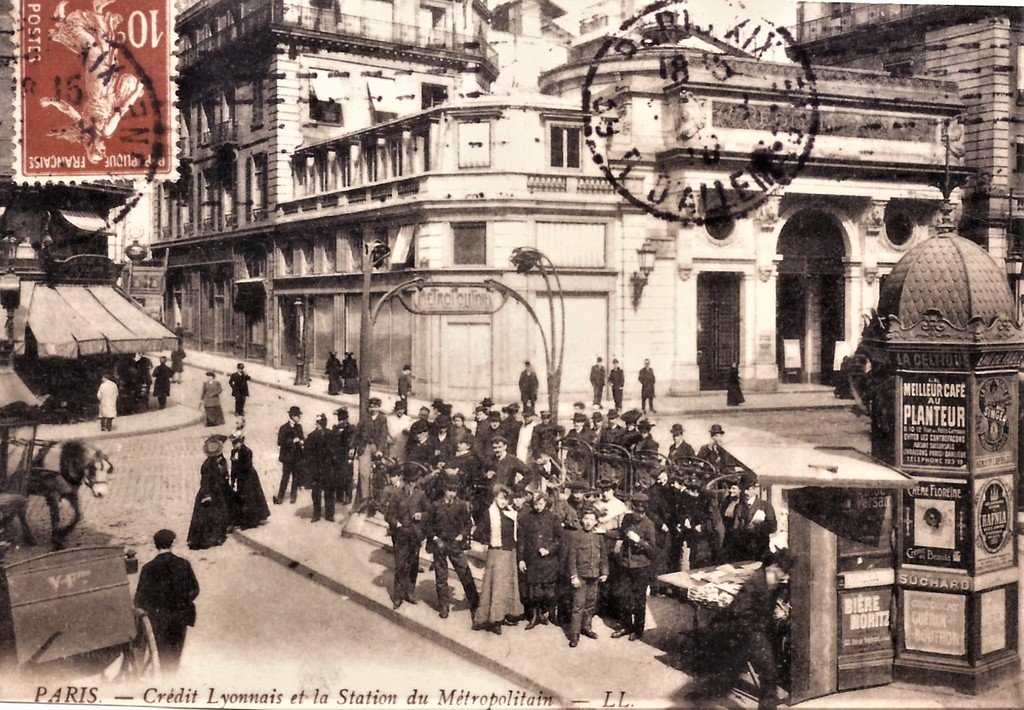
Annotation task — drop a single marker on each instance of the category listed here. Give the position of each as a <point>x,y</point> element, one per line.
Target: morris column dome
<point>952,279</point>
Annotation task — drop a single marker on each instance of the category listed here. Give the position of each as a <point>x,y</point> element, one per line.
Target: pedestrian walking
<point>638,541</point>
<point>405,385</point>
<point>539,542</point>
<point>734,394</point>
<point>162,382</point>
<point>499,590</point>
<point>214,511</point>
<point>588,567</point>
<point>333,370</point>
<point>647,381</point>
<point>449,527</point>
<point>107,395</point>
<point>209,400</point>
<point>344,445</point>
<point>167,591</point>
<point>238,383</point>
<point>528,386</point>
<point>252,502</point>
<point>178,361</point>
<point>617,380</point>
<point>349,374</point>
<point>407,516</point>
<point>318,468</point>
<point>290,440</point>
<point>598,378</point>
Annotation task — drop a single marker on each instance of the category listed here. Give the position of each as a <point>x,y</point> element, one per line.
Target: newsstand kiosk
<point>945,348</point>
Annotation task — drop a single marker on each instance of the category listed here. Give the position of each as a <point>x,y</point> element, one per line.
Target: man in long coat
<point>167,591</point>
<point>647,381</point>
<point>239,384</point>
<point>290,439</point>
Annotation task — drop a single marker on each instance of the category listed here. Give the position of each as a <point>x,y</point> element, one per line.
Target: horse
<point>57,471</point>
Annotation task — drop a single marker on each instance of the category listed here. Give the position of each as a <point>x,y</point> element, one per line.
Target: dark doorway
<point>810,297</point>
<point>718,327</point>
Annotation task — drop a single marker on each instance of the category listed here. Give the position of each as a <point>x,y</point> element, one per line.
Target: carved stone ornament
<point>767,213</point>
<point>685,271</point>
<point>946,218</point>
<point>870,274</point>
<point>934,327</point>
<point>874,218</point>
<point>765,272</point>
<point>691,116</point>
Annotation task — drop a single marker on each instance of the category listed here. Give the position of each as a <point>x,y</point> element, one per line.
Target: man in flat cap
<point>239,384</point>
<point>441,435</point>
<point>372,438</point>
<point>581,408</point>
<point>421,447</point>
<point>319,469</point>
<point>613,429</point>
<point>528,386</point>
<point>587,564</point>
<point>637,535</point>
<point>546,435</point>
<point>408,517</point>
<point>617,380</point>
<point>167,591</point>
<point>485,433</point>
<point>579,442</point>
<point>598,378</point>
<point>290,440</point>
<point>405,384</point>
<point>647,380</point>
<point>448,530</point>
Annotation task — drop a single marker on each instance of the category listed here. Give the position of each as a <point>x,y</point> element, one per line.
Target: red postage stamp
<point>96,96</point>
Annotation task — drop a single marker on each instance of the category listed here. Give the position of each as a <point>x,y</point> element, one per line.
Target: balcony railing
<point>224,132</point>
<point>862,15</point>
<point>230,220</point>
<point>188,229</point>
<point>258,214</point>
<point>282,14</point>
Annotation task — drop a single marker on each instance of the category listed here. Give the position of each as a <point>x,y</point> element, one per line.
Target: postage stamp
<point>709,180</point>
<point>95,96</point>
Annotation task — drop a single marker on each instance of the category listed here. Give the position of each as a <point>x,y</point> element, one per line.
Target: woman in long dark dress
<point>349,374</point>
<point>734,397</point>
<point>214,509</point>
<point>539,541</point>
<point>333,371</point>
<point>252,502</point>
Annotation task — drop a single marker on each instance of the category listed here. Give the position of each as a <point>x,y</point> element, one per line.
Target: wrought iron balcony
<point>224,132</point>
<point>230,220</point>
<point>258,214</point>
<point>325,25</point>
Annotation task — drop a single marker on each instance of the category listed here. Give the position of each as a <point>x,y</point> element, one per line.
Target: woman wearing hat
<point>209,401</point>
<point>499,591</point>
<point>333,372</point>
<point>252,503</point>
<point>349,375</point>
<point>214,511</point>
<point>539,544</point>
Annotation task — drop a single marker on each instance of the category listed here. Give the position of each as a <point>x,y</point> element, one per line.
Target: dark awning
<point>71,320</point>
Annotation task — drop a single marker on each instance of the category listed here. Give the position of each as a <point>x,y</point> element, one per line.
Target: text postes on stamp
<point>709,72</point>
<point>95,95</point>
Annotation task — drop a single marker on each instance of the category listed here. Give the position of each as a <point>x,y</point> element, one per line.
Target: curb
<point>422,630</point>
<point>197,419</point>
<point>771,408</point>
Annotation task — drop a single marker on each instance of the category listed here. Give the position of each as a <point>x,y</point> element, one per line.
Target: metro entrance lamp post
<point>525,259</point>
<point>375,253</point>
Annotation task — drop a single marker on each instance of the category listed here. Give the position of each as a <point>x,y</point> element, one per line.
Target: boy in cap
<point>290,440</point>
<point>617,380</point>
<point>167,591</point>
<point>408,518</point>
<point>637,535</point>
<point>405,384</point>
<point>449,528</point>
<point>588,566</point>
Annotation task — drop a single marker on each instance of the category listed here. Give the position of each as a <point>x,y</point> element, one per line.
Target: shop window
<point>1019,162</point>
<point>257,103</point>
<point>433,95</point>
<point>565,146</point>
<point>256,265</point>
<point>469,244</point>
<point>475,145</point>
<point>324,111</point>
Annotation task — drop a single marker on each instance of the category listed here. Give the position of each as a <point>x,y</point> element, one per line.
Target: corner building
<point>265,263</point>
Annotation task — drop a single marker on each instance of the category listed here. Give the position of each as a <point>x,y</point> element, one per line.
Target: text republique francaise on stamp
<point>95,96</point>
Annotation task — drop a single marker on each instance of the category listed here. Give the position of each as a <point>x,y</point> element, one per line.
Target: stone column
<point>332,170</point>
<point>685,373</point>
<point>356,164</point>
<point>761,370</point>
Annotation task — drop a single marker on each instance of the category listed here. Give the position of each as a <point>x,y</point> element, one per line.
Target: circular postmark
<point>994,404</point>
<point>992,511</point>
<point>711,80</point>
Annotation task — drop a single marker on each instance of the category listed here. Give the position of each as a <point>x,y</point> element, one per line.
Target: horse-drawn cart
<point>74,608</point>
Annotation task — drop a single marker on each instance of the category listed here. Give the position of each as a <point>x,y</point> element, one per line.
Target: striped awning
<point>71,320</point>
<point>85,220</point>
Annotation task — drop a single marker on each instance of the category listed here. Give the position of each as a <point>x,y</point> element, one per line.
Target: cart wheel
<point>143,658</point>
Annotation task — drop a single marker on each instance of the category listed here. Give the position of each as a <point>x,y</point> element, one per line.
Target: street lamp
<point>136,254</point>
<point>645,256</point>
<point>10,299</point>
<point>1014,262</point>
<point>375,253</point>
<point>525,260</point>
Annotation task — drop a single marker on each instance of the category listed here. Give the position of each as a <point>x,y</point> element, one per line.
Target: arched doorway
<point>810,306</point>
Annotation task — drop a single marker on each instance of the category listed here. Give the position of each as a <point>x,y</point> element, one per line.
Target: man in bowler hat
<point>290,441</point>
<point>407,517</point>
<point>167,591</point>
<point>713,452</point>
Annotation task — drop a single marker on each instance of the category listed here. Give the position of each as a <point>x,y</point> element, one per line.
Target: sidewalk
<point>154,421</point>
<point>702,403</point>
